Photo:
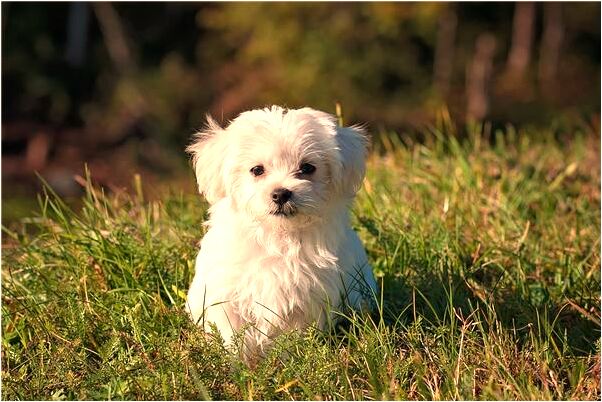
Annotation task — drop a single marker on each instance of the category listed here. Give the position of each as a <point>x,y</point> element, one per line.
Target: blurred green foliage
<point>377,59</point>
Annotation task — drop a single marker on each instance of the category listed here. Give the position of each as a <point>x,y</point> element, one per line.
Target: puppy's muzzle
<point>281,195</point>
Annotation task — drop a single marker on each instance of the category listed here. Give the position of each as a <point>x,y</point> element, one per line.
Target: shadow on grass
<point>434,300</point>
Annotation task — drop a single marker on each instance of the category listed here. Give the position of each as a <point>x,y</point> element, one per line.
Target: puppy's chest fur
<point>285,277</point>
<point>276,278</point>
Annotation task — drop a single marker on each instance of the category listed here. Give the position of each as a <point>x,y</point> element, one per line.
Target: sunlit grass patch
<point>487,249</point>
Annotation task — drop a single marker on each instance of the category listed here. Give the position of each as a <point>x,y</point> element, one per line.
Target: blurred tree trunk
<point>444,51</point>
<point>478,78</point>
<point>551,44</point>
<point>5,7</point>
<point>115,37</point>
<point>77,33</point>
<point>118,47</point>
<point>522,39</point>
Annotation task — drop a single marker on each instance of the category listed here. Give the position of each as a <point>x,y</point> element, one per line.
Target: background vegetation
<point>121,86</point>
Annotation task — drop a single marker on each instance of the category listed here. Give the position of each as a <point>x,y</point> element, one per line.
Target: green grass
<point>487,250</point>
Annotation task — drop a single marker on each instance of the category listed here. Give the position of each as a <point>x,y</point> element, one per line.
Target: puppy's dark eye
<point>307,168</point>
<point>257,170</point>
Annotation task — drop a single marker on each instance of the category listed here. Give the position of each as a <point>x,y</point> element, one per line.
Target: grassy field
<point>487,250</point>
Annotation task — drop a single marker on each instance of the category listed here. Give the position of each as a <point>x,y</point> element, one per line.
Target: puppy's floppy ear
<point>209,151</point>
<point>353,146</point>
<point>351,143</point>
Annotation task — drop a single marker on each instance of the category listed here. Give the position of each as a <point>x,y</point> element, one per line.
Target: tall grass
<point>487,249</point>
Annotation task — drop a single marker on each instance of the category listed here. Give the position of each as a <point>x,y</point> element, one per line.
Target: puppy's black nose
<point>281,195</point>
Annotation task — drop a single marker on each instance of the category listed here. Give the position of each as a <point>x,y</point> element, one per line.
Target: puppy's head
<point>279,164</point>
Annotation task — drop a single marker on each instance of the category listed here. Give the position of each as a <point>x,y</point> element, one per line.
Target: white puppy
<point>279,253</point>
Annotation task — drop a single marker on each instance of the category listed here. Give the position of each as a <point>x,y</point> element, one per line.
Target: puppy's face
<point>280,173</point>
<point>280,165</point>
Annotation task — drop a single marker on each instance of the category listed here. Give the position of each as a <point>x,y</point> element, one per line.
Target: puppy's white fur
<point>266,272</point>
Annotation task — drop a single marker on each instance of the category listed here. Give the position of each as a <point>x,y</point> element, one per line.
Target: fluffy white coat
<point>265,267</point>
